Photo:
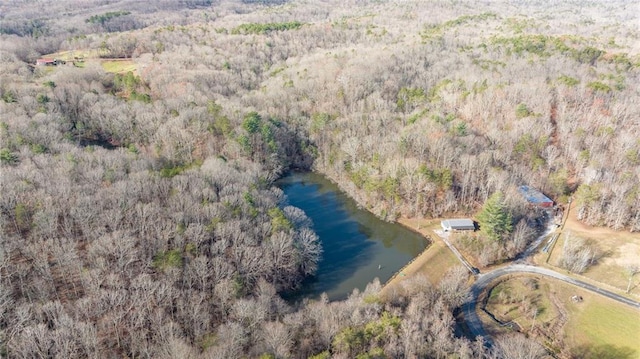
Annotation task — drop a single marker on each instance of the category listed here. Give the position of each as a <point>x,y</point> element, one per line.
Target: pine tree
<point>495,220</point>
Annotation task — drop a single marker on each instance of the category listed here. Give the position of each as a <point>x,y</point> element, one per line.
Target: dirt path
<point>574,224</point>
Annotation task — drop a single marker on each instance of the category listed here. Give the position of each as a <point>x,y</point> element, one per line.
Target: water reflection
<point>358,247</point>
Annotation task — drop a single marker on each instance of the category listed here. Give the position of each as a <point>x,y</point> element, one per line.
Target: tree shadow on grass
<point>605,351</point>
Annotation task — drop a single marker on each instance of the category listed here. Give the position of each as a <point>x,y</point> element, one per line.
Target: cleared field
<point>593,327</point>
<point>433,262</point>
<point>522,300</point>
<point>437,262</point>
<point>92,57</point>
<point>71,54</point>
<point>119,66</point>
<point>617,251</point>
<point>438,259</point>
<point>600,328</point>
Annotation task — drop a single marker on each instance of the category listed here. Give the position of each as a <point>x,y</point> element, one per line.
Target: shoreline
<point>433,262</point>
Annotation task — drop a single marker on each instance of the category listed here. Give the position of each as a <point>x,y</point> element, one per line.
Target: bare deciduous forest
<point>138,212</point>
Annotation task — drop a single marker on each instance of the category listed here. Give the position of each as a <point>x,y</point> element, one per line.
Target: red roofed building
<point>535,197</point>
<point>46,62</point>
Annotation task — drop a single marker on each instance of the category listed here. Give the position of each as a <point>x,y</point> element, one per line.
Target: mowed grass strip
<point>433,263</point>
<point>69,55</point>
<point>437,260</point>
<point>119,66</point>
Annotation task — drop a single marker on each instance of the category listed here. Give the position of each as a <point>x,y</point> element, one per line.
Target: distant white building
<point>464,224</point>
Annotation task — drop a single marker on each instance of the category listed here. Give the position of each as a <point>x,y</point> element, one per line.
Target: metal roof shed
<point>536,197</point>
<point>463,224</point>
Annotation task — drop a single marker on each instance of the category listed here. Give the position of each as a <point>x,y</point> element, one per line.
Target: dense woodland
<point>138,212</point>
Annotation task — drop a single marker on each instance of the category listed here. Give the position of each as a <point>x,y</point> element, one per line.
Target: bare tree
<point>517,346</point>
<point>577,254</point>
<point>277,339</point>
<point>453,287</point>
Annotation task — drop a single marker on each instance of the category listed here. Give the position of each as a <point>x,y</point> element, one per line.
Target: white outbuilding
<point>462,224</point>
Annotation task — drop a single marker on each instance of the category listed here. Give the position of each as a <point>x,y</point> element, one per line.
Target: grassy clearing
<point>434,262</point>
<point>595,327</point>
<point>600,323</point>
<point>62,55</point>
<point>116,66</point>
<point>437,262</point>
<point>522,300</point>
<point>119,66</point>
<point>71,54</point>
<point>601,328</point>
<point>618,250</point>
<point>438,259</point>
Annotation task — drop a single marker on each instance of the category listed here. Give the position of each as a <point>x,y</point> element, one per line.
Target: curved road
<point>469,308</point>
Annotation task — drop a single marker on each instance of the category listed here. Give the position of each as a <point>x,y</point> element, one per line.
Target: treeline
<point>439,126</point>
<point>101,19</point>
<point>147,225</point>
<point>152,230</point>
<point>140,237</point>
<point>264,28</point>
<point>436,124</point>
<point>47,27</point>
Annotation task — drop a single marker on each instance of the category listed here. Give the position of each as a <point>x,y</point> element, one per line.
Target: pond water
<point>358,246</point>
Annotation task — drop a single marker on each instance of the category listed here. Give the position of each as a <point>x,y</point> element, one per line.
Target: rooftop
<point>533,195</point>
<point>459,222</point>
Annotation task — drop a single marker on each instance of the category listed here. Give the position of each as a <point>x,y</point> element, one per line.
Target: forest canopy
<point>139,216</point>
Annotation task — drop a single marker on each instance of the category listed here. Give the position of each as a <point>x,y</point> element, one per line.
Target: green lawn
<point>119,66</point>
<point>604,329</point>
<point>438,262</point>
<point>616,250</point>
<point>596,327</point>
<point>70,54</point>
<point>438,259</point>
<point>517,299</point>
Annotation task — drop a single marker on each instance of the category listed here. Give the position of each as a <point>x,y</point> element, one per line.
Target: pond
<point>358,247</point>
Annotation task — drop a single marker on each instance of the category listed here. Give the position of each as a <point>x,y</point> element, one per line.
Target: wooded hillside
<point>138,212</point>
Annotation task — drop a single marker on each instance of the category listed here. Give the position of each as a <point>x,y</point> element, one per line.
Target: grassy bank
<point>433,263</point>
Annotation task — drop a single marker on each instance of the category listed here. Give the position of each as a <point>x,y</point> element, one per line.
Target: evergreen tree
<point>495,220</point>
